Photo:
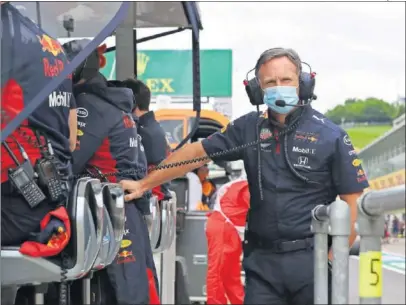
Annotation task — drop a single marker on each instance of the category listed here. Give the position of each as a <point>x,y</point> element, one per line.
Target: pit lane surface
<point>393,273</point>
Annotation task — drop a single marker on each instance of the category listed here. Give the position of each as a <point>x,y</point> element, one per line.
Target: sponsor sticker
<point>356,162</point>
<point>307,137</point>
<point>265,133</point>
<point>302,162</point>
<point>306,151</point>
<point>347,140</point>
<point>82,112</point>
<point>50,45</point>
<point>125,256</point>
<point>133,142</point>
<point>59,99</point>
<point>52,66</point>
<point>361,179</point>
<point>126,243</point>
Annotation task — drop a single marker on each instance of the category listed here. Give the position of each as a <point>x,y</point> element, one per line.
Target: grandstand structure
<point>384,158</point>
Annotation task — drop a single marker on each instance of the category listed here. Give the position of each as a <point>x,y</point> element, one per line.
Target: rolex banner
<point>169,72</point>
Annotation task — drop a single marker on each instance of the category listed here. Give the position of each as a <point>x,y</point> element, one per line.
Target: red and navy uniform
<point>279,218</point>
<point>156,148</point>
<point>29,60</point>
<point>108,139</point>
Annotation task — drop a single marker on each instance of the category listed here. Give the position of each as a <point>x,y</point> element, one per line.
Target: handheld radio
<point>22,178</point>
<point>48,175</point>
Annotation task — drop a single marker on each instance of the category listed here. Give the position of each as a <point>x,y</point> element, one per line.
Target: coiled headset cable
<point>292,126</point>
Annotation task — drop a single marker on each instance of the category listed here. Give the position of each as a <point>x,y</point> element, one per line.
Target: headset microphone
<point>282,103</point>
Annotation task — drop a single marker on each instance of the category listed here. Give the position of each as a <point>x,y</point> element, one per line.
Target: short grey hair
<point>276,53</point>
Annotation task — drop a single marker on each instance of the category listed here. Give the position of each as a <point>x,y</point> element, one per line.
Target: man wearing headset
<point>306,160</point>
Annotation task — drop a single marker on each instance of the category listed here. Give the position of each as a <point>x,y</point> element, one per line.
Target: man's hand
<point>330,255</point>
<point>133,188</point>
<point>158,177</point>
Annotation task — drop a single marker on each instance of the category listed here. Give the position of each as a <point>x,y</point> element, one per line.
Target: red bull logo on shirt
<point>50,45</point>
<point>125,256</point>
<point>52,66</point>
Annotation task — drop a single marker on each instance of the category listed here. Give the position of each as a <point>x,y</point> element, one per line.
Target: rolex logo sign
<point>142,61</point>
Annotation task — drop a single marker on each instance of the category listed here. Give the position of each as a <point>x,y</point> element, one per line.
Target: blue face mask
<point>285,93</point>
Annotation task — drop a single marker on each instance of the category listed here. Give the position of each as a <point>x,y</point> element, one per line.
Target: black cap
<point>89,67</point>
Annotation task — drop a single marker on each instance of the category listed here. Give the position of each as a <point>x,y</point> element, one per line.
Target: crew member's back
<point>152,135</point>
<point>108,146</point>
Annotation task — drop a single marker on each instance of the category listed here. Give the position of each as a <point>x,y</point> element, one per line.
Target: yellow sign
<point>356,162</point>
<point>142,61</point>
<point>370,274</point>
<point>125,243</point>
<point>393,179</point>
<point>156,85</point>
<point>160,85</point>
<point>80,133</point>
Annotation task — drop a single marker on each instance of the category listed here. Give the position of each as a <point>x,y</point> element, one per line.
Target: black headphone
<point>307,82</point>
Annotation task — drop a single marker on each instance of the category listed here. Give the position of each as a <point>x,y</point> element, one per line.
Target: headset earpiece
<point>307,82</point>
<point>254,92</point>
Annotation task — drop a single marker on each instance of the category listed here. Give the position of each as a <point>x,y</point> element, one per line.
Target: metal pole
<point>125,46</point>
<point>168,274</point>
<point>375,203</point>
<point>340,230</point>
<point>320,228</point>
<point>135,54</point>
<point>370,230</point>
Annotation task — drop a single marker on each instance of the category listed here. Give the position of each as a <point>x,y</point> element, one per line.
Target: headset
<point>307,83</point>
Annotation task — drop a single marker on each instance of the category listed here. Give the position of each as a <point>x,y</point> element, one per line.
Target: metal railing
<point>370,226</point>
<point>334,220</point>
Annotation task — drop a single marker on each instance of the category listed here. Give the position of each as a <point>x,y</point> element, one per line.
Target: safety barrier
<point>334,220</point>
<point>370,223</point>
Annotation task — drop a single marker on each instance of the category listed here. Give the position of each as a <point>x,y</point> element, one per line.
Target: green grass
<point>362,136</point>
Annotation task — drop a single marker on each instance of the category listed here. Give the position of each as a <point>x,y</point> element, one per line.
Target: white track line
<point>393,254</point>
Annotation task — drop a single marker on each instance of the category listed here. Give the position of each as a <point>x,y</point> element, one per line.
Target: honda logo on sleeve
<point>302,161</point>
